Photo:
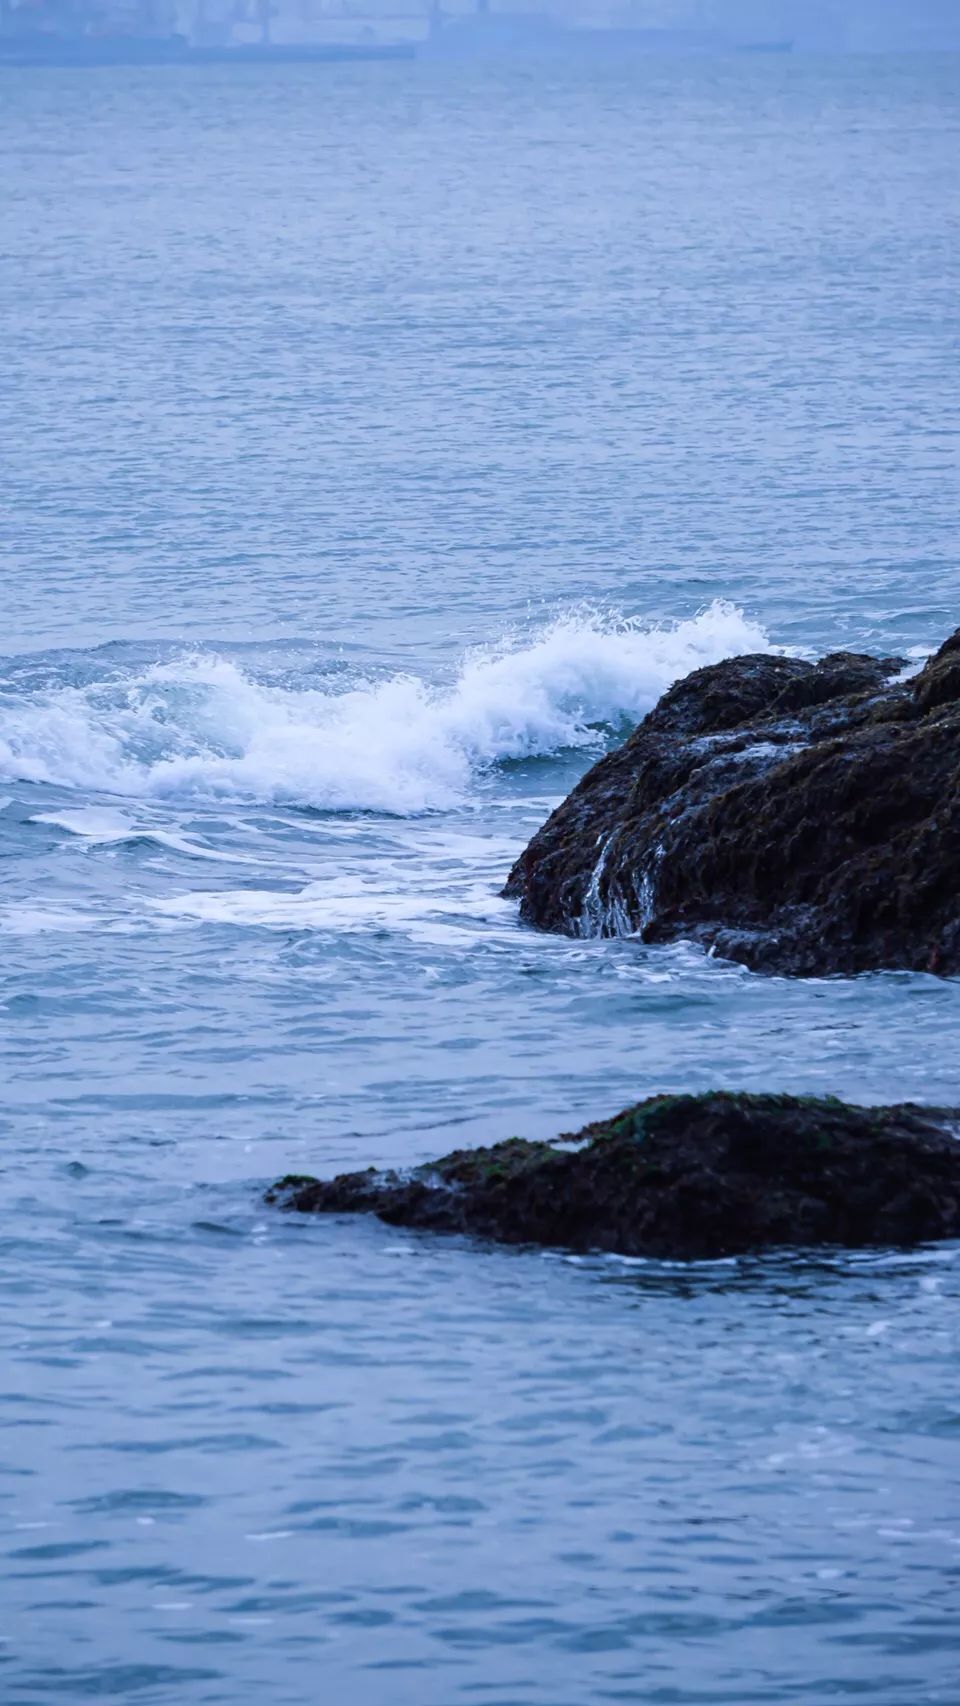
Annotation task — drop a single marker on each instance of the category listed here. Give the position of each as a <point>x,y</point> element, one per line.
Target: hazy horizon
<point>853,26</point>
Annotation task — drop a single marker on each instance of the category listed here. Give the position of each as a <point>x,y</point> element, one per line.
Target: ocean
<point>379,443</point>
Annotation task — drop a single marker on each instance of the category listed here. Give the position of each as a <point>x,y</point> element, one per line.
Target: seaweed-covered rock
<point>800,818</point>
<point>684,1177</point>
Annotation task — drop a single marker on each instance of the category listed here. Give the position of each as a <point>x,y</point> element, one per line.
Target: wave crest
<point>201,726</point>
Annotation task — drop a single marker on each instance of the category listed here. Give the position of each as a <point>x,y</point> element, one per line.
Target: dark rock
<point>799,818</point>
<point>684,1177</point>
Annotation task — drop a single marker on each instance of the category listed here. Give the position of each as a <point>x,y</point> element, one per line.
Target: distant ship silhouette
<point>482,34</point>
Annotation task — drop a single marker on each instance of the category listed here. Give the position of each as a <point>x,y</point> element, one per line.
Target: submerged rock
<point>798,817</point>
<point>684,1177</point>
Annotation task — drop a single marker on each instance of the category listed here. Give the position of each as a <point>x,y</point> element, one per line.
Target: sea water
<point>378,444</point>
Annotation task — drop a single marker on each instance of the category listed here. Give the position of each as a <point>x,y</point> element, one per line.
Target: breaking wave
<point>202,727</point>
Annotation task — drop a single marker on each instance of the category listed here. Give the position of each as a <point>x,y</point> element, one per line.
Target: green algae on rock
<point>683,1177</point>
<point>798,818</point>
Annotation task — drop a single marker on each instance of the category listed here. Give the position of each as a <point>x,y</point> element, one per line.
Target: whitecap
<point>201,726</point>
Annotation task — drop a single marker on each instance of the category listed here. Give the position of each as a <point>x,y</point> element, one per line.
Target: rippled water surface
<point>379,443</point>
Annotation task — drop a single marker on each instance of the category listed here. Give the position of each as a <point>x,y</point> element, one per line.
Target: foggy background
<point>854,26</point>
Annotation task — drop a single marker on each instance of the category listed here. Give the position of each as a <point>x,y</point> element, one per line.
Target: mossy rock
<point>800,818</point>
<point>684,1177</point>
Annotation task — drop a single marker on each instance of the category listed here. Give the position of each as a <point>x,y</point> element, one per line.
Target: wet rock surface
<point>800,818</point>
<point>684,1177</point>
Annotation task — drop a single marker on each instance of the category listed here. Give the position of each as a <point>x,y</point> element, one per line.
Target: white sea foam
<point>31,919</point>
<point>100,827</point>
<point>352,906</point>
<point>442,894</point>
<point>201,727</point>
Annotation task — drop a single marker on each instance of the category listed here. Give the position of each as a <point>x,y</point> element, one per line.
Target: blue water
<point>378,443</point>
